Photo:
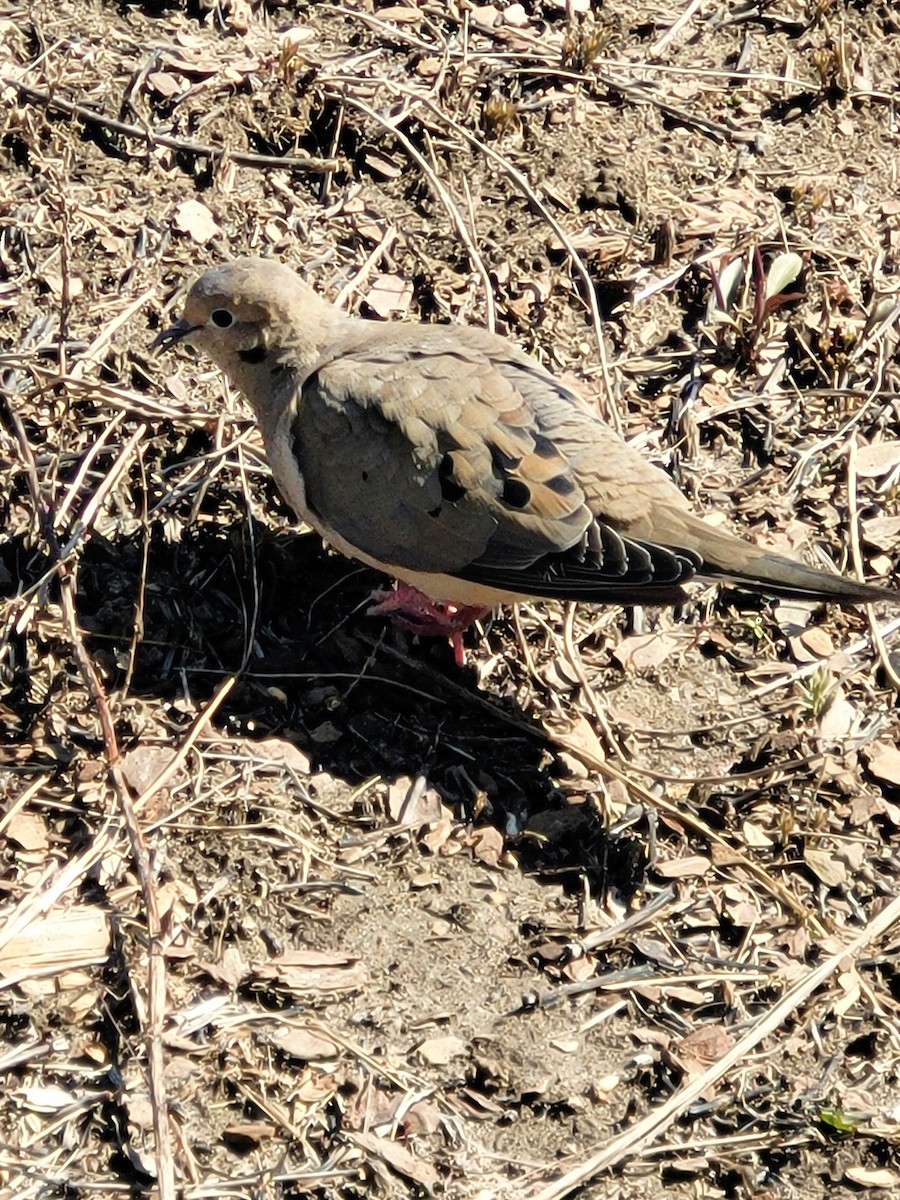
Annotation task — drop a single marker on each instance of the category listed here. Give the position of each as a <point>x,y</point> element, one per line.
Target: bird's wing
<point>453,453</point>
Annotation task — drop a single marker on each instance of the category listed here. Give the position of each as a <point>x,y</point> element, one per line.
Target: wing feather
<point>450,457</point>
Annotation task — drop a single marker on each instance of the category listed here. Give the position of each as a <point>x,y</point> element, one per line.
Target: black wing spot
<point>516,493</point>
<point>543,447</point>
<point>502,461</point>
<point>562,485</point>
<point>450,489</point>
<point>253,356</point>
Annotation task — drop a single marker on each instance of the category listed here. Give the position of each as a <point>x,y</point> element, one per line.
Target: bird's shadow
<point>361,697</point>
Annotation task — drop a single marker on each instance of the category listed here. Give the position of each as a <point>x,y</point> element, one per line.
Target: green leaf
<point>783,270</point>
<point>837,1119</point>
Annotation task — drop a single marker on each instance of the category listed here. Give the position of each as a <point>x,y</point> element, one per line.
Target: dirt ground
<point>294,906</point>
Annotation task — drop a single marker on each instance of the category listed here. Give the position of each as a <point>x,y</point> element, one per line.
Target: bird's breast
<point>285,467</point>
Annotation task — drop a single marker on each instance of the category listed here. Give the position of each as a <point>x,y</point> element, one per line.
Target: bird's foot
<point>417,613</point>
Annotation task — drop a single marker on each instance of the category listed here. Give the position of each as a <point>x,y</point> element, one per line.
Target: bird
<point>449,459</point>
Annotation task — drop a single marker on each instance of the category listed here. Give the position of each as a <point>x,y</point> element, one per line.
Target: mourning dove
<point>446,457</point>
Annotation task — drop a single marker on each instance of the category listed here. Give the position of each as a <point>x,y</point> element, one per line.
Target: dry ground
<point>295,907</point>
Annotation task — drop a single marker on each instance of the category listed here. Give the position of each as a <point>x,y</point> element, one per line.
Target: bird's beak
<point>174,334</point>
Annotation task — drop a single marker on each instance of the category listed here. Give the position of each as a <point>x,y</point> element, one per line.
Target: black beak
<point>174,334</point>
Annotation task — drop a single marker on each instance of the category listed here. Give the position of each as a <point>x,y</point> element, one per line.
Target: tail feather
<point>726,557</point>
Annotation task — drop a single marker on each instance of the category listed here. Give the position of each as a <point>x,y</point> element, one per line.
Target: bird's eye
<point>222,318</point>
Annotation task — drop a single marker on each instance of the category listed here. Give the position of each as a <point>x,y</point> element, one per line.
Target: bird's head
<point>247,313</point>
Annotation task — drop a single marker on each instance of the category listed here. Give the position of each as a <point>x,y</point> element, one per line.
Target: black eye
<point>222,318</point>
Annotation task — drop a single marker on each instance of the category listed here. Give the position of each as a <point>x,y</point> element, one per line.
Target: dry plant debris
<point>292,906</point>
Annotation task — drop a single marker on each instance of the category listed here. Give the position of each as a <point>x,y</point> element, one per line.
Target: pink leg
<point>418,613</point>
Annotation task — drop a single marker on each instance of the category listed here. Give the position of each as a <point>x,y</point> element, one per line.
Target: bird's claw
<point>417,613</point>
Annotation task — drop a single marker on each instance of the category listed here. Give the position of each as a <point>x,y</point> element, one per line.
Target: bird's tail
<point>726,557</point>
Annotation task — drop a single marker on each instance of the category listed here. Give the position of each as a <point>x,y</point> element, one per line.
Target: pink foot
<point>418,613</point>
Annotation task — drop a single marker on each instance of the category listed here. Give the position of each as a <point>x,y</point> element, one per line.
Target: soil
<point>340,916</point>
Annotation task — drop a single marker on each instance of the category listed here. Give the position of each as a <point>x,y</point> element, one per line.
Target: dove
<point>449,459</point>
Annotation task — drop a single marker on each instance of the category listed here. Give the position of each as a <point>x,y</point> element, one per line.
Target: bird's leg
<point>418,613</point>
